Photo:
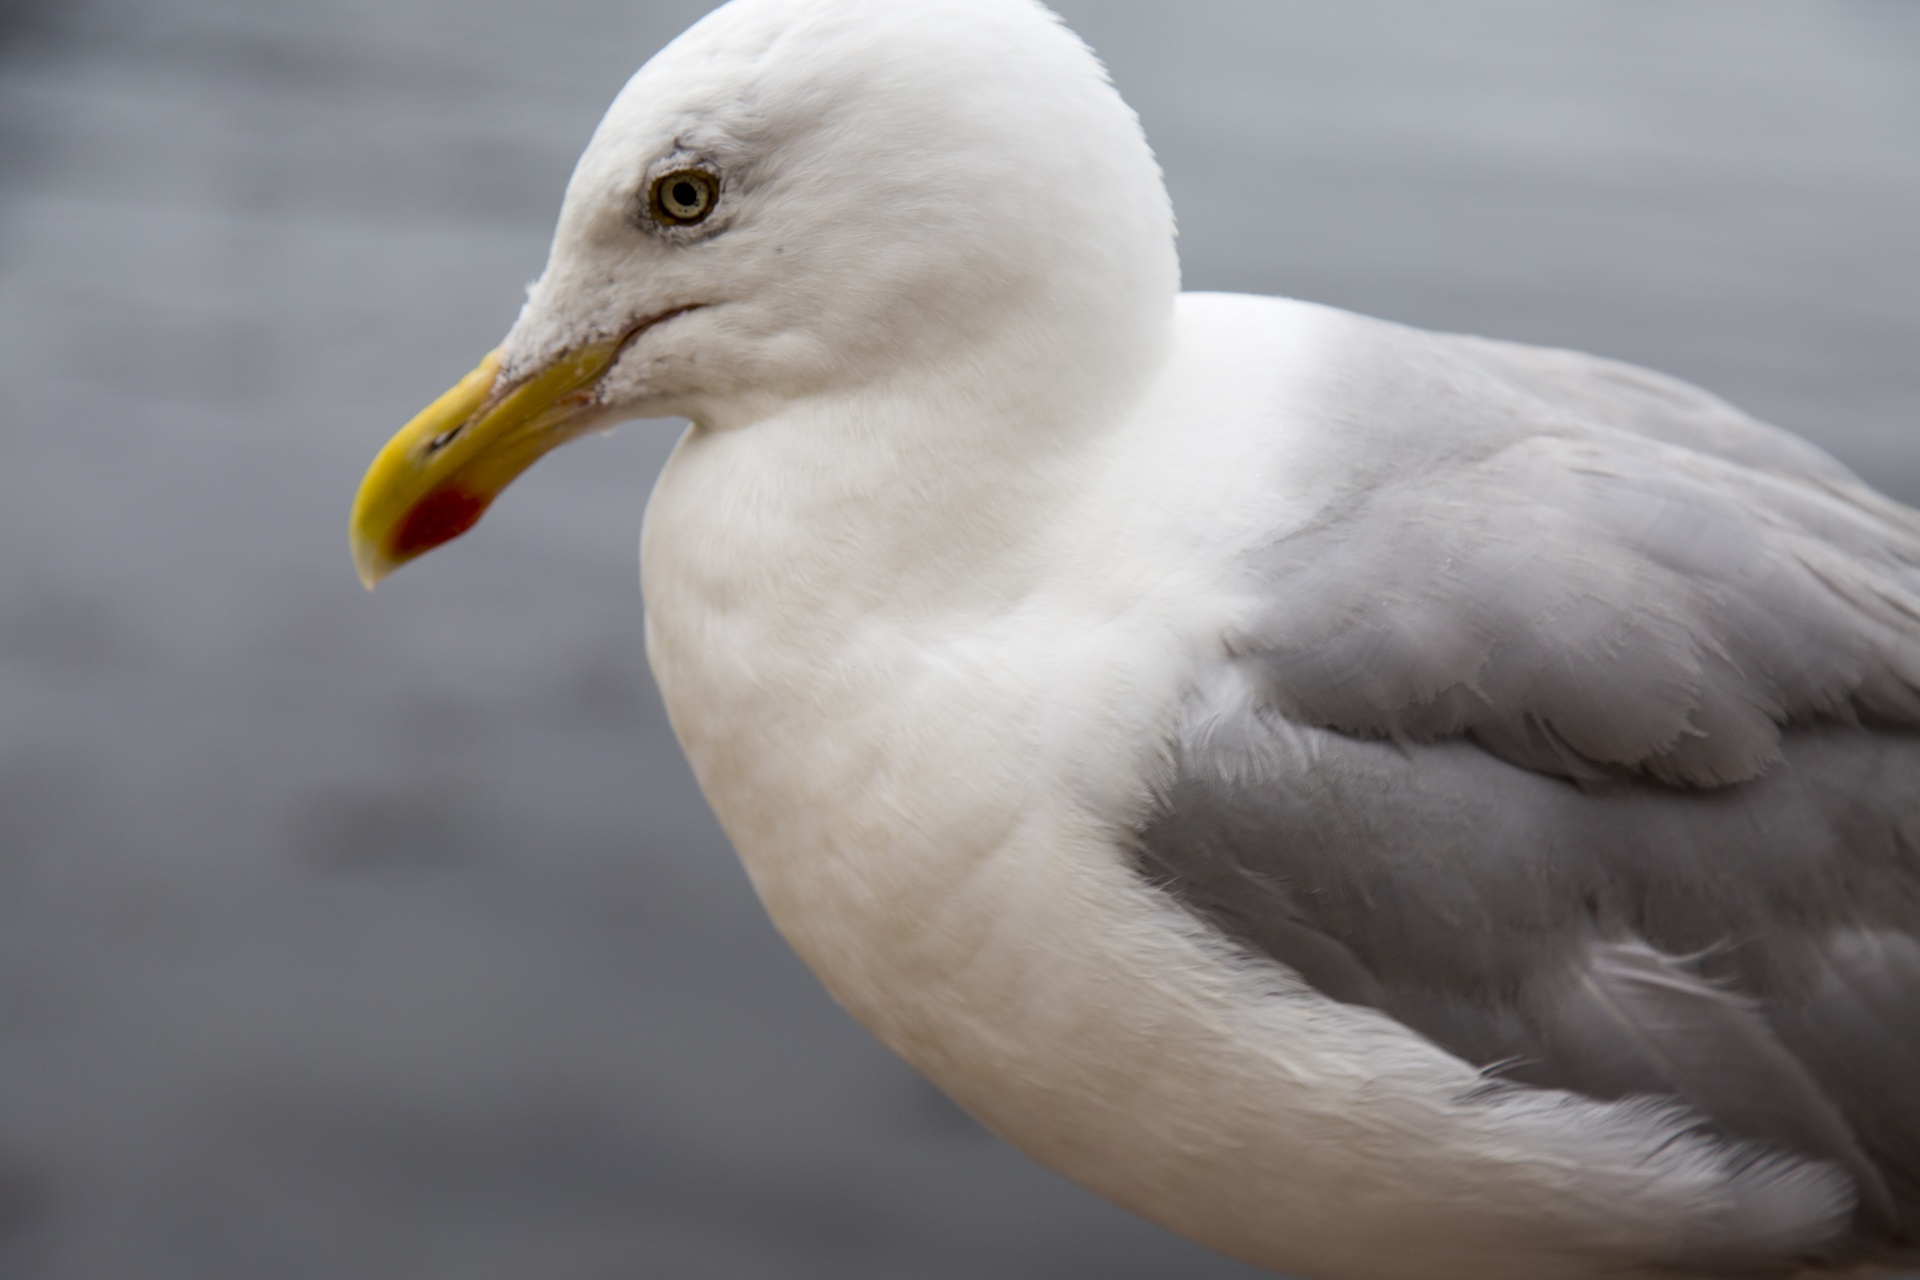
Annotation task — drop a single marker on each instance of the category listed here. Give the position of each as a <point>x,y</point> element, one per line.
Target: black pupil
<point>686,195</point>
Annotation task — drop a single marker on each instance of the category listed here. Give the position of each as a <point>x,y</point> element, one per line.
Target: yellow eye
<point>684,197</point>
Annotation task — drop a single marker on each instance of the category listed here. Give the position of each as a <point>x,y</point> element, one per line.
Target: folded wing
<point>1582,735</point>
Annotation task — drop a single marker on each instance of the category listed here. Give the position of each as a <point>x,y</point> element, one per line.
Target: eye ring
<point>683,197</point>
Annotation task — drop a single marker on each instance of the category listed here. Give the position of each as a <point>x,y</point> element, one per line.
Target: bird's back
<point>1580,733</point>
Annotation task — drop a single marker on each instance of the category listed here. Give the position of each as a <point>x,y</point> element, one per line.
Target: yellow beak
<point>436,478</point>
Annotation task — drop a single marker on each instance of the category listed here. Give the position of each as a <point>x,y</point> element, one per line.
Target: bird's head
<point>801,198</point>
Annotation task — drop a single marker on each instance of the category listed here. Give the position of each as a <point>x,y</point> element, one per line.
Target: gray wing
<point>1583,737</point>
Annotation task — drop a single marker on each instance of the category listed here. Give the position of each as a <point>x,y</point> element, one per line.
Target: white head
<point>804,198</point>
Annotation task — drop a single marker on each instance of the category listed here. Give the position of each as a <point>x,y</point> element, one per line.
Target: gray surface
<point>386,937</point>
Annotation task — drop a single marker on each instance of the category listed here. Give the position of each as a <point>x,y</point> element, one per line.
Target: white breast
<point>926,727</point>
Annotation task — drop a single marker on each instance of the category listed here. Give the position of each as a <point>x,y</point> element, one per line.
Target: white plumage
<point>953,586</point>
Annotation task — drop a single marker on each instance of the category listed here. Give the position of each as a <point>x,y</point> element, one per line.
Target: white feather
<point>927,579</point>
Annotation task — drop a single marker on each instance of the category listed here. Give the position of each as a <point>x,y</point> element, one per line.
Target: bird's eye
<point>684,197</point>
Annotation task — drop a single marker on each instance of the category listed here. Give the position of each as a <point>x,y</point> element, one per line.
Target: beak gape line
<point>437,476</point>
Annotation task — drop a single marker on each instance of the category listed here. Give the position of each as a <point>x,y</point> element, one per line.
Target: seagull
<point>1383,804</point>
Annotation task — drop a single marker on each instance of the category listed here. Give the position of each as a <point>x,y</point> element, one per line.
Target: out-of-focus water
<point>388,936</point>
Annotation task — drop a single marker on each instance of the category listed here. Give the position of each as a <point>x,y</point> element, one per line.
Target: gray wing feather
<point>1583,736</point>
<point>1585,597</point>
<point>1634,1021</point>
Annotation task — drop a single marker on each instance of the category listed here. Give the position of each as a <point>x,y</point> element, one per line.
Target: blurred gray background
<point>364,937</point>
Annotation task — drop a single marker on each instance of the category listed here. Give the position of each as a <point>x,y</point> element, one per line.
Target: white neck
<point>923,488</point>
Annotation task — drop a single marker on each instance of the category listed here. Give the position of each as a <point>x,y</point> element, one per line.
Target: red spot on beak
<point>437,518</point>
